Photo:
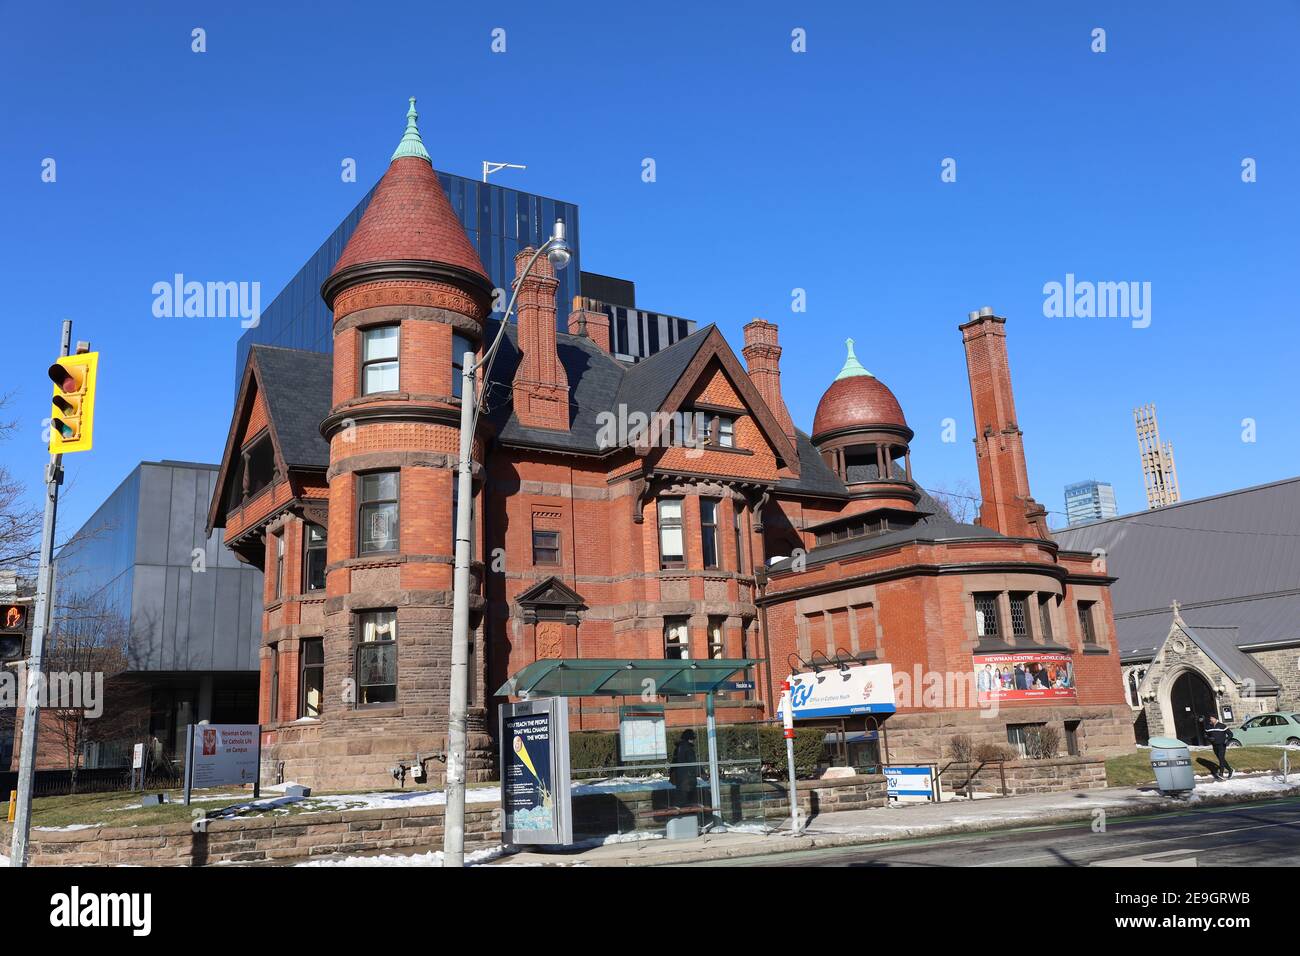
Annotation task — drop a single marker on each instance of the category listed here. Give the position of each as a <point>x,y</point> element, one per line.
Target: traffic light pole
<point>40,624</point>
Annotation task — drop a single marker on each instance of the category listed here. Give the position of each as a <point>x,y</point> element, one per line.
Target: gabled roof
<point>1230,560</point>
<point>601,383</point>
<point>1220,646</point>
<point>295,386</point>
<point>551,592</point>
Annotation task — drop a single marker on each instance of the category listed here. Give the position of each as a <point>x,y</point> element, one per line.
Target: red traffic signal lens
<point>64,378</point>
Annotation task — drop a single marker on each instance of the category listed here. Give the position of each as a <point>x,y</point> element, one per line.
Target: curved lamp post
<point>471,405</point>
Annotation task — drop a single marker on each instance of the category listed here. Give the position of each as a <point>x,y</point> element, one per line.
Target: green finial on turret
<point>852,366</point>
<point>411,144</point>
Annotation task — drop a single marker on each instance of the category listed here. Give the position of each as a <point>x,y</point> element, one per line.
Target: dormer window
<point>725,432</point>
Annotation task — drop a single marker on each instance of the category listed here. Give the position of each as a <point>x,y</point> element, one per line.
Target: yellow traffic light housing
<point>72,416</point>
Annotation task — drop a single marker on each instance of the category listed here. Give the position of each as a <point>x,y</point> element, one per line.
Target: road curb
<point>814,841</point>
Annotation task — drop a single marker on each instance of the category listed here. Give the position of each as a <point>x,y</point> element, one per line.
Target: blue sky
<point>775,171</point>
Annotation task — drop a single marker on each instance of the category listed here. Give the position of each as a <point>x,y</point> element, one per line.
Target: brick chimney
<point>589,321</point>
<point>763,361</point>
<point>541,388</point>
<point>1008,507</point>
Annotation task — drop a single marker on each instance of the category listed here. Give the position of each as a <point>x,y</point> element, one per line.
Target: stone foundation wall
<point>648,809</point>
<point>259,839</point>
<point>1104,731</point>
<point>1030,776</point>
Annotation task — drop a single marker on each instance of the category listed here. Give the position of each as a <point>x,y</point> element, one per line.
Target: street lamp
<point>559,253</point>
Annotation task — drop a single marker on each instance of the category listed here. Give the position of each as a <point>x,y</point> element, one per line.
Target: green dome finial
<point>852,366</point>
<point>411,144</point>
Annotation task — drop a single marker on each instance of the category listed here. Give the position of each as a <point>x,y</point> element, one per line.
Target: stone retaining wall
<point>259,839</point>
<point>1031,776</point>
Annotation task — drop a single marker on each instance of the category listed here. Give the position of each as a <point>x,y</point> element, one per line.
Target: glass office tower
<point>186,613</point>
<point>1089,501</point>
<point>499,221</point>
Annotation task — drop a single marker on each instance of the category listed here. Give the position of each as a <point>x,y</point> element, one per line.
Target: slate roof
<point>1220,645</point>
<point>410,217</point>
<point>1230,560</point>
<point>934,525</point>
<point>297,386</point>
<point>815,476</point>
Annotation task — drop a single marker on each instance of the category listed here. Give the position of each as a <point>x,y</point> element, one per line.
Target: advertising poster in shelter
<point>1024,675</point>
<point>535,771</point>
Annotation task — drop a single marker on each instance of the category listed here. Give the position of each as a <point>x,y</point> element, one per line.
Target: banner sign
<point>642,733</point>
<point>865,689</point>
<point>1024,675</point>
<point>535,801</point>
<point>222,754</point>
<point>910,783</point>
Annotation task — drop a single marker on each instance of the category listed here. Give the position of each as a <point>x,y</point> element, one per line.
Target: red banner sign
<point>1024,675</point>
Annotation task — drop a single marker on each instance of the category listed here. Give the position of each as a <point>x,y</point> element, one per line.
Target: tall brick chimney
<point>763,361</point>
<point>589,321</point>
<point>541,387</point>
<point>1008,507</point>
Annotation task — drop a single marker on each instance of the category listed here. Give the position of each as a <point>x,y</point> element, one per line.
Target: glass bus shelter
<point>648,753</point>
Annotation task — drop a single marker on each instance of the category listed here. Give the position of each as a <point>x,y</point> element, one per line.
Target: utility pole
<point>458,731</point>
<point>40,625</point>
<point>557,250</point>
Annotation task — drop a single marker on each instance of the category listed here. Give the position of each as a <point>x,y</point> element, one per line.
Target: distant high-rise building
<point>1090,500</point>
<point>1158,471</point>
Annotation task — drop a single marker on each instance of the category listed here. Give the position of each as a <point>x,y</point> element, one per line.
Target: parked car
<point>1276,729</point>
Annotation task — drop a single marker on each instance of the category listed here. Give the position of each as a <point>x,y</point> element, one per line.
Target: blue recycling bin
<point>1171,759</point>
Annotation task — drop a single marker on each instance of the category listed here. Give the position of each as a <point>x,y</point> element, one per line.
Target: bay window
<point>671,550</point>
<point>377,658</point>
<point>377,512</point>
<point>379,362</point>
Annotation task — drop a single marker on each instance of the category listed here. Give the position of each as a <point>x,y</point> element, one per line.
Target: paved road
<point>1254,834</point>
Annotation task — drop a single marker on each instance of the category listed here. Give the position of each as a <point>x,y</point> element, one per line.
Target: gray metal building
<point>191,612</point>
<point>1207,605</point>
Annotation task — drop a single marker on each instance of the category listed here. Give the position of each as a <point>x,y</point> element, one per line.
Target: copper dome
<point>857,399</point>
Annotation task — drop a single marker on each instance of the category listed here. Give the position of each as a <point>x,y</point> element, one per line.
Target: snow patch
<point>432,858</point>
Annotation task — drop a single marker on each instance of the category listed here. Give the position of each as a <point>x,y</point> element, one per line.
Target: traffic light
<point>13,631</point>
<point>72,418</point>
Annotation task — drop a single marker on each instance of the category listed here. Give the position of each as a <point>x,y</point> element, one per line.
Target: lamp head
<point>559,252</point>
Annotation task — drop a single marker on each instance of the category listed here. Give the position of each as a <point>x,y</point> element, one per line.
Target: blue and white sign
<point>866,689</point>
<point>909,783</point>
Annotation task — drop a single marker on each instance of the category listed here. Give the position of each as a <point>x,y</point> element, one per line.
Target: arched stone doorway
<point>1191,699</point>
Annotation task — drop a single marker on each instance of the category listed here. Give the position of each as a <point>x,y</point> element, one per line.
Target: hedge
<point>593,750</point>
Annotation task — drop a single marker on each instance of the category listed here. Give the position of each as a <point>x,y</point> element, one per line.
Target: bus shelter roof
<point>619,677</point>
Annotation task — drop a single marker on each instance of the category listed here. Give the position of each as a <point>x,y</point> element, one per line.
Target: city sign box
<point>222,754</point>
<point>535,802</point>
<point>836,692</point>
<point>910,783</point>
<point>642,734</point>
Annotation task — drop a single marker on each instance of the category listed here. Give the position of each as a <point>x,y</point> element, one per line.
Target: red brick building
<point>595,537</point>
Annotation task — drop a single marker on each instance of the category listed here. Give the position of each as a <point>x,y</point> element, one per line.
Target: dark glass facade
<point>499,222</point>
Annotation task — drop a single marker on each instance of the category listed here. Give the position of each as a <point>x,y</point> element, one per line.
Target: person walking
<point>684,771</point>
<point>1218,734</point>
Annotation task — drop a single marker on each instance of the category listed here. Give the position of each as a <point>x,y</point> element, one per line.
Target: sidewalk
<point>902,822</point>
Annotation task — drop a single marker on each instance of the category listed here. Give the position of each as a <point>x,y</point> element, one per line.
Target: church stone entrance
<point>1192,701</point>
